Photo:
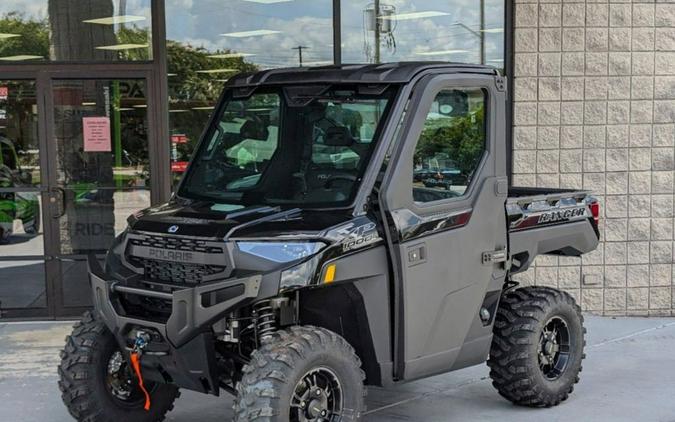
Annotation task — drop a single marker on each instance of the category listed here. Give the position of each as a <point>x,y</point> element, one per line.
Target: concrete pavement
<point>629,375</point>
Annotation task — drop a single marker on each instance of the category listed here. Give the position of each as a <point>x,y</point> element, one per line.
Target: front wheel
<point>301,375</point>
<point>538,346</point>
<point>97,384</point>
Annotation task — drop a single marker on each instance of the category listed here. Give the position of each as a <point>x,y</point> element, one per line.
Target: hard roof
<point>400,72</point>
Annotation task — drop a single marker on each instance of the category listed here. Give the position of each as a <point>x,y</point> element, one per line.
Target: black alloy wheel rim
<point>554,348</point>
<point>317,397</point>
<point>121,383</point>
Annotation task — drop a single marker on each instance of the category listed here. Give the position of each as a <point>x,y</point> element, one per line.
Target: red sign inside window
<point>179,139</point>
<point>179,166</point>
<point>4,92</point>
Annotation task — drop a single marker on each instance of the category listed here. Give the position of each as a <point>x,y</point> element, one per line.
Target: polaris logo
<point>167,255</point>
<point>556,216</point>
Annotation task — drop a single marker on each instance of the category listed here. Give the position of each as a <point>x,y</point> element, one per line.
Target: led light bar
<point>440,52</point>
<point>268,1</point>
<point>255,33</point>
<point>20,57</point>
<point>212,71</point>
<point>118,47</point>
<point>113,20</point>
<point>230,55</point>
<point>414,15</point>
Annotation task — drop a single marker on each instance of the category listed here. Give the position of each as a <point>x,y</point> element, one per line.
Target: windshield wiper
<point>279,215</point>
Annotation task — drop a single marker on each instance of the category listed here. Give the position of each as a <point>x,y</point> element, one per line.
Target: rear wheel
<point>537,346</point>
<point>301,375</point>
<point>97,384</point>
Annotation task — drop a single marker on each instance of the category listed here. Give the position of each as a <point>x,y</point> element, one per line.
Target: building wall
<point>595,109</point>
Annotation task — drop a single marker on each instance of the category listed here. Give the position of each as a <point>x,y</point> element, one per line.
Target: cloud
<point>309,23</point>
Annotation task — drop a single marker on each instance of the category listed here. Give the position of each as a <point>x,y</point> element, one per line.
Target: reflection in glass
<point>289,147</point>
<point>210,40</point>
<point>20,224</point>
<point>405,30</point>
<point>102,160</point>
<point>64,30</point>
<point>19,147</point>
<point>450,146</point>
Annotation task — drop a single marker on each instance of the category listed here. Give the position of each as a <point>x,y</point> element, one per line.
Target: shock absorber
<point>265,319</point>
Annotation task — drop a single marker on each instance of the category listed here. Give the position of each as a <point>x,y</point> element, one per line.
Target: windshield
<point>309,153</point>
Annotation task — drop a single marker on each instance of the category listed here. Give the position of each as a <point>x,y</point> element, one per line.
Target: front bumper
<point>181,350</point>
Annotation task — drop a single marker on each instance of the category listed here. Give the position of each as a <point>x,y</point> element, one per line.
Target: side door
<point>445,199</point>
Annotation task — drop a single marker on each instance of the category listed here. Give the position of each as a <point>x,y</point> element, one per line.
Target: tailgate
<point>550,221</point>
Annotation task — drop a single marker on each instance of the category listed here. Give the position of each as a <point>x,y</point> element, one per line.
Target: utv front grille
<point>175,243</point>
<point>208,260</point>
<point>175,272</point>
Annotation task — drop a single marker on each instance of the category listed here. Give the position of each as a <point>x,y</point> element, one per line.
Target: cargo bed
<point>550,221</point>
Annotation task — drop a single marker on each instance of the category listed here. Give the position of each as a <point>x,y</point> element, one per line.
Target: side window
<point>451,145</point>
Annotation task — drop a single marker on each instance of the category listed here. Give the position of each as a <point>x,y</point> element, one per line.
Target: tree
<point>463,141</point>
<point>33,36</point>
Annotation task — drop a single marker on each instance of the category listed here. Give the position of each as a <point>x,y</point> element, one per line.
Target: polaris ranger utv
<point>301,259</point>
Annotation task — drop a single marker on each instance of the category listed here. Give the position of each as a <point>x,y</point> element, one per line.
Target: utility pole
<point>377,31</point>
<point>300,48</point>
<point>482,31</point>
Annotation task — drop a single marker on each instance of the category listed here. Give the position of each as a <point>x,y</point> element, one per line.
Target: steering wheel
<point>333,178</point>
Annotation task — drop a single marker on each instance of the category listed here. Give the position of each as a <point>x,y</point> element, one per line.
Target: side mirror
<point>453,104</point>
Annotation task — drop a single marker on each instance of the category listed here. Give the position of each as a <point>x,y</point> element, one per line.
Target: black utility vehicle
<point>300,260</point>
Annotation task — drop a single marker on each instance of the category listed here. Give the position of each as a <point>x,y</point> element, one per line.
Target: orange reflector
<point>329,274</point>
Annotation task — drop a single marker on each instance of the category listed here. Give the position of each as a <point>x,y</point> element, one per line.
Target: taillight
<point>595,211</point>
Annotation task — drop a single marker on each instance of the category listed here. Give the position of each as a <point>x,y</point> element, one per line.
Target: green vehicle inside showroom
<point>22,206</point>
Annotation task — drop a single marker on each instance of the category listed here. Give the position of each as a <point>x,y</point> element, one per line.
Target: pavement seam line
<point>428,393</point>
<point>631,335</point>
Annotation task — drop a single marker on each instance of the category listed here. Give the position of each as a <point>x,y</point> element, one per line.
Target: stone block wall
<point>594,92</point>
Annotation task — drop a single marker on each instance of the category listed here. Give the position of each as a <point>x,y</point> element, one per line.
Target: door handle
<point>58,207</point>
<point>494,257</point>
<point>417,254</point>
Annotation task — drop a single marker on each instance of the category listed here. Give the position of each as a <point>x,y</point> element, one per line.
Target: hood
<point>208,219</point>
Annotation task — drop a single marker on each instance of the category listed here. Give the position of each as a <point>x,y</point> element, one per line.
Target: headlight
<point>298,276</point>
<point>281,252</point>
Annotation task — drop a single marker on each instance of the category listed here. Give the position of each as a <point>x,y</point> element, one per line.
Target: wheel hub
<point>554,348</point>
<point>317,397</point>
<point>119,380</point>
<point>121,384</point>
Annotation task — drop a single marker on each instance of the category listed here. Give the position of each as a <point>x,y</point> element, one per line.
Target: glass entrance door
<point>23,282</point>
<point>99,174</point>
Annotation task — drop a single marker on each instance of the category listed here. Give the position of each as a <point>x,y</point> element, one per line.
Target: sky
<point>308,23</point>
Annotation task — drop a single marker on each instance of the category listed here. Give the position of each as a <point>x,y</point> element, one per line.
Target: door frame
<point>154,151</point>
<point>159,155</point>
<point>48,310</point>
<point>399,194</point>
